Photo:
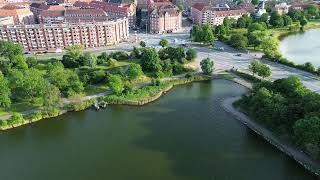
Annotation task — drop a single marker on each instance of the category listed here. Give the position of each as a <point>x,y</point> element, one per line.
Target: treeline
<point>287,107</point>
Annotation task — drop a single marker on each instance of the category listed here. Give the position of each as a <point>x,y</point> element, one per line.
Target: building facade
<point>282,8</point>
<point>113,9</point>
<point>164,17</point>
<point>203,13</point>
<point>54,37</point>
<point>72,16</point>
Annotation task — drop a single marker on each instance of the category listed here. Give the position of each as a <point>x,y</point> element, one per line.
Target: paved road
<point>224,60</point>
<point>227,59</point>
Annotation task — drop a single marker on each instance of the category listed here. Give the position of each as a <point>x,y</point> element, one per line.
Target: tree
<point>150,60</point>
<point>308,66</point>
<point>255,38</point>
<point>312,10</point>
<point>287,21</point>
<point>134,71</point>
<point>89,59</point>
<point>75,51</point>
<point>227,23</point>
<point>221,31</point>
<point>238,41</point>
<point>73,57</point>
<point>303,22</point>
<point>256,27</point>
<point>31,61</point>
<point>264,71</point>
<point>66,80</point>
<point>136,52</point>
<point>207,66</point>
<point>295,14</point>
<point>179,54</point>
<point>207,34</point>
<point>27,84</point>
<point>103,57</point>
<point>116,84</point>
<point>270,45</point>
<point>254,66</point>
<point>10,50</point>
<point>5,92</point>
<point>163,43</point>
<point>276,20</point>
<point>264,18</point>
<point>195,33</point>
<point>51,97</point>
<point>307,131</point>
<point>142,44</point>
<point>241,23</point>
<point>244,21</point>
<point>191,54</point>
<point>290,86</point>
<point>16,118</point>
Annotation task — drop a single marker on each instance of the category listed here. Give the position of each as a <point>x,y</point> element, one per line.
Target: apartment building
<point>203,13</point>
<point>54,37</point>
<point>164,17</point>
<point>72,16</point>
<point>113,9</point>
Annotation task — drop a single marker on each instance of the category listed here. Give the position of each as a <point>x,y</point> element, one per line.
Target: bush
<point>120,55</point>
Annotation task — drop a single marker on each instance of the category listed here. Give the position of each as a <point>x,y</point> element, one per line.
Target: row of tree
<point>286,106</point>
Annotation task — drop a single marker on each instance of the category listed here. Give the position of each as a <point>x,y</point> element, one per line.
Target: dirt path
<point>300,157</point>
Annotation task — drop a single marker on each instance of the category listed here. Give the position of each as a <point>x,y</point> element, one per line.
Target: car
<point>238,54</point>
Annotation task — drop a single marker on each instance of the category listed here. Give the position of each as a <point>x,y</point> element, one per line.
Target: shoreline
<point>301,158</point>
<point>86,104</point>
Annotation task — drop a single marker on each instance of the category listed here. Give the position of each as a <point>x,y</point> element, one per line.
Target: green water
<point>184,136</point>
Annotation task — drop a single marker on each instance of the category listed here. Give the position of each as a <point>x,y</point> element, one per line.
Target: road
<point>224,60</point>
<point>227,59</point>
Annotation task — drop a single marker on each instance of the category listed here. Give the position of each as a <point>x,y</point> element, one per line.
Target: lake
<point>302,47</point>
<point>185,135</point>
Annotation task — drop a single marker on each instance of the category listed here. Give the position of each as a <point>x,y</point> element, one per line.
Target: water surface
<point>302,47</point>
<point>184,136</point>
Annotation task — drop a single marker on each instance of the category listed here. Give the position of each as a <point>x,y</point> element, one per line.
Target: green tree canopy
<point>27,84</point>
<point>116,84</point>
<point>5,92</point>
<point>256,27</point>
<point>276,20</point>
<point>134,71</point>
<point>10,50</point>
<point>163,43</point>
<point>191,54</point>
<point>207,66</point>
<point>238,41</point>
<point>142,44</point>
